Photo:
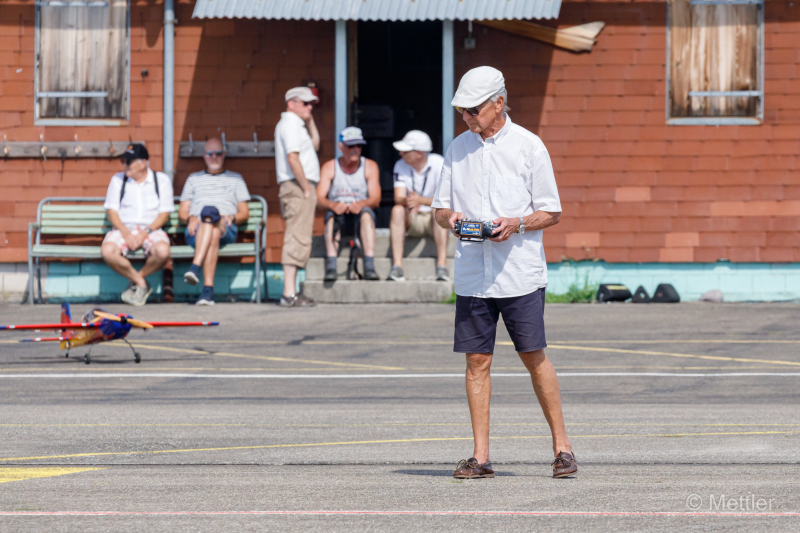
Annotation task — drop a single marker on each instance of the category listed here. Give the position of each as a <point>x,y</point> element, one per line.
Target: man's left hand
<point>505,228</point>
<point>228,220</point>
<point>354,208</point>
<point>140,238</point>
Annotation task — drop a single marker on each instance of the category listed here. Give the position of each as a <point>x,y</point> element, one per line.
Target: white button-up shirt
<point>508,175</point>
<point>291,135</point>
<point>423,183</point>
<point>140,205</point>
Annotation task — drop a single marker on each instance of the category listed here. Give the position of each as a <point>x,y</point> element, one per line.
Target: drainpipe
<point>448,84</point>
<point>340,80</point>
<point>169,87</point>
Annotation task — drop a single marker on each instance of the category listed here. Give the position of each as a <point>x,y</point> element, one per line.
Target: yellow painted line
<point>668,354</point>
<point>384,441</point>
<point>312,361</point>
<point>19,474</point>
<point>266,357</point>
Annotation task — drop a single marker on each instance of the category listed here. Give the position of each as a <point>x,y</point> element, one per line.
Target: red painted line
<point>394,513</point>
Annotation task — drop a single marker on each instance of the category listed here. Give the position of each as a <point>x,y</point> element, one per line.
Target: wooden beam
<point>576,38</point>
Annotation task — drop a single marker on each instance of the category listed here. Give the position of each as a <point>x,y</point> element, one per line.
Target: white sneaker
<point>396,274</point>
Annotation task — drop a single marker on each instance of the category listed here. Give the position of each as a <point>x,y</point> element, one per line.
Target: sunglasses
<point>307,104</point>
<point>127,162</point>
<point>471,111</point>
<point>212,153</point>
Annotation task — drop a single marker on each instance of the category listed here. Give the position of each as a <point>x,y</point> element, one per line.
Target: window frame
<point>72,121</point>
<point>756,120</point>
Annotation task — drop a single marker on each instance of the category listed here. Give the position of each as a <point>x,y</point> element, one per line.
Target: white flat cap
<point>352,136</point>
<point>303,93</point>
<point>414,140</point>
<point>477,85</point>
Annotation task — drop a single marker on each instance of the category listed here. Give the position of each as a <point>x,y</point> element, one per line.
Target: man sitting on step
<point>415,177</point>
<point>349,187</point>
<point>213,202</point>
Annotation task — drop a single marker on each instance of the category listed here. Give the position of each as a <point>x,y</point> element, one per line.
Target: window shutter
<point>82,61</point>
<point>715,58</point>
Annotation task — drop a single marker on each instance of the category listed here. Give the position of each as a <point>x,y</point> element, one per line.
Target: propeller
<point>124,320</point>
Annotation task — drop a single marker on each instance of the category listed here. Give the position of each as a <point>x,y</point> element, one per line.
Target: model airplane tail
<point>66,315</point>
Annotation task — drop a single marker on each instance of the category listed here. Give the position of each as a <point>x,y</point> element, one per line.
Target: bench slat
<point>178,252</point>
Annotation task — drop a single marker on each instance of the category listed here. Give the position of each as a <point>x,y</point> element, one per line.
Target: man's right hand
<point>339,208</point>
<point>132,240</point>
<point>454,217</point>
<point>306,191</point>
<point>193,223</point>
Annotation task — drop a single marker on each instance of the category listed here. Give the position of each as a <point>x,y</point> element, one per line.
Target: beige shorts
<point>298,212</point>
<point>116,237</point>
<point>421,224</point>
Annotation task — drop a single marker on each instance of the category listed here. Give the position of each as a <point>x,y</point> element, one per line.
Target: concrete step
<point>361,292</point>
<point>414,247</point>
<point>414,268</point>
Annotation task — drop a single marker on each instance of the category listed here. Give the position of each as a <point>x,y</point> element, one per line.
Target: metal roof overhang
<point>396,10</point>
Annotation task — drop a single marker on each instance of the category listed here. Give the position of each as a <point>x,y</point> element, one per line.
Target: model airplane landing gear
<point>86,358</point>
<point>136,356</point>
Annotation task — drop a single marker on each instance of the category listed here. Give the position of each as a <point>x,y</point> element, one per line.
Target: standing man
<point>138,204</point>
<point>213,202</point>
<point>350,187</point>
<point>500,172</point>
<point>297,166</point>
<point>415,177</point>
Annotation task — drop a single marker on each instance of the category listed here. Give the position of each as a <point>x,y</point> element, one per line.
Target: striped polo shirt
<point>223,191</point>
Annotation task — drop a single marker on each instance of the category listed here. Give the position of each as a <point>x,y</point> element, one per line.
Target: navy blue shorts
<point>228,238</point>
<point>476,322</point>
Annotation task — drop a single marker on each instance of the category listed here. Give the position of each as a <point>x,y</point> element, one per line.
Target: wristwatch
<point>148,230</point>
<point>521,225</point>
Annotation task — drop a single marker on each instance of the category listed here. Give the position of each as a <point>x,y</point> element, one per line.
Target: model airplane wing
<point>181,324</point>
<point>46,339</point>
<point>63,325</point>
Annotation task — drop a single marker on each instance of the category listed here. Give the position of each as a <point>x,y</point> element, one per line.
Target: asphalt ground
<point>682,417</point>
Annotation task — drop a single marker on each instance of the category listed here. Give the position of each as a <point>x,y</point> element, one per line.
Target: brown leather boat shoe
<point>470,469</point>
<point>564,465</point>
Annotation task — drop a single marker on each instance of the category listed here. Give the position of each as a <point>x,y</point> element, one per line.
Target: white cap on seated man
<point>416,174</point>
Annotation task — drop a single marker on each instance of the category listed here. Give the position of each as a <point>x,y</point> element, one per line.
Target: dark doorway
<point>399,88</point>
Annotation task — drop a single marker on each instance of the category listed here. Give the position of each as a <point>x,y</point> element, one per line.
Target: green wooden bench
<point>76,216</point>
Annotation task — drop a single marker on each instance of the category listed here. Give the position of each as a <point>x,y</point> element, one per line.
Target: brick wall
<point>229,76</point>
<point>632,188</point>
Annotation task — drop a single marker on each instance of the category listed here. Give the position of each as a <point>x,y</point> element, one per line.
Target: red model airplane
<point>97,326</point>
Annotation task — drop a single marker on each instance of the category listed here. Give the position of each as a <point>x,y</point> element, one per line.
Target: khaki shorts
<point>298,212</point>
<point>421,224</point>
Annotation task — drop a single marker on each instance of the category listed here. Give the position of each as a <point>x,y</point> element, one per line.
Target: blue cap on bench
<point>210,214</point>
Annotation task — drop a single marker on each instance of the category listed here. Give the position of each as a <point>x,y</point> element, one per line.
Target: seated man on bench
<point>349,187</point>
<point>212,203</point>
<point>138,204</point>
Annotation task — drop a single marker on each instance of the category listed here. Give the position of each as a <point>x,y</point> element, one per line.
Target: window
<point>715,62</point>
<point>82,65</point>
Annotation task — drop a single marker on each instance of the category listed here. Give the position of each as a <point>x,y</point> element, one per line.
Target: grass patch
<point>574,295</point>
<point>452,299</point>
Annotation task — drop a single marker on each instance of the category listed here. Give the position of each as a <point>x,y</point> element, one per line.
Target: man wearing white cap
<point>350,187</point>
<point>297,167</point>
<point>415,178</point>
<point>501,173</point>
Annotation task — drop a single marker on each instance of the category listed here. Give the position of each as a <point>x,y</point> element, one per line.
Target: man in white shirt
<point>501,173</point>
<point>415,177</point>
<point>138,204</point>
<point>297,167</point>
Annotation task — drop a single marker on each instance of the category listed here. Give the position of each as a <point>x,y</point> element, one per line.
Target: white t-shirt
<point>140,205</point>
<point>423,183</point>
<point>291,135</point>
<point>223,191</point>
<point>508,175</point>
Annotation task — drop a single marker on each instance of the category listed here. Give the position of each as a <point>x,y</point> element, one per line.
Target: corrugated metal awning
<point>378,9</point>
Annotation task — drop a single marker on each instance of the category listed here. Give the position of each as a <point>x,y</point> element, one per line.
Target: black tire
<point>86,359</point>
<point>137,357</point>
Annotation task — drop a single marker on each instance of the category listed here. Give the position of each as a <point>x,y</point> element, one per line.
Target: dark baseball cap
<point>210,214</point>
<point>135,151</point>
